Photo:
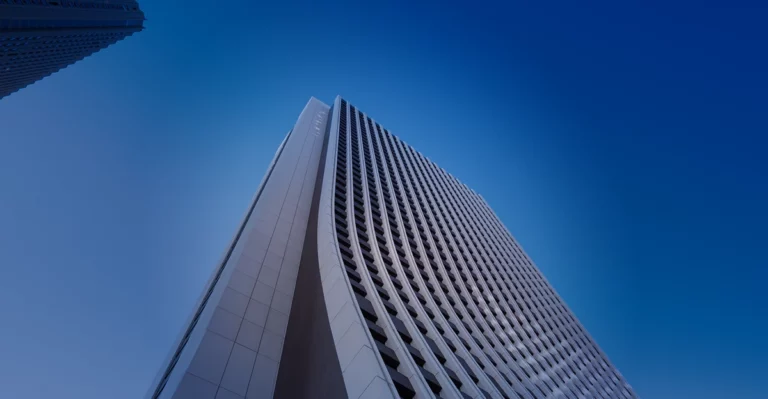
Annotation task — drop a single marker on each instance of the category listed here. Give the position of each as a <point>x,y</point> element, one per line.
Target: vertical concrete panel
<point>238,305</point>
<point>211,357</point>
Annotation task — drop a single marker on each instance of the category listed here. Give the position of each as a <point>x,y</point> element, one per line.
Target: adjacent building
<point>364,270</point>
<point>40,37</point>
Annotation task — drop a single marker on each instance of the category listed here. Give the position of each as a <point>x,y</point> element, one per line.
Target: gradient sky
<point>624,145</point>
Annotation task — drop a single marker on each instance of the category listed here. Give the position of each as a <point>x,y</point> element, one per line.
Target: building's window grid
<point>28,58</point>
<point>450,266</point>
<point>601,368</point>
<point>399,271</point>
<point>40,37</point>
<point>124,5</point>
<point>438,298</point>
<point>436,269</point>
<point>71,14</point>
<point>487,320</point>
<point>551,368</point>
<point>468,223</point>
<point>482,280</point>
<point>464,264</point>
<point>363,279</point>
<point>406,261</point>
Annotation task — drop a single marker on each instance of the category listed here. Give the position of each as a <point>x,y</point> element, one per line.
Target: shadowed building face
<point>38,38</point>
<point>363,270</point>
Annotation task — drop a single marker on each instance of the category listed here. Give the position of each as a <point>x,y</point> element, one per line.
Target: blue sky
<point>622,144</point>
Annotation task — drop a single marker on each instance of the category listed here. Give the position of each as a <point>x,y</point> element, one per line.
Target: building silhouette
<point>364,270</point>
<point>40,37</point>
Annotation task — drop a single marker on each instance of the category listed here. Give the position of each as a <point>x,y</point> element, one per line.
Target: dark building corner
<point>309,353</point>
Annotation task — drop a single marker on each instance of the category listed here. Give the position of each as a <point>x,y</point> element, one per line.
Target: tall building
<point>363,270</point>
<point>40,37</point>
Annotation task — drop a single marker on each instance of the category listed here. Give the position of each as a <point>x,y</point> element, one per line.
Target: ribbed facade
<point>454,306</point>
<point>408,286</point>
<point>40,37</point>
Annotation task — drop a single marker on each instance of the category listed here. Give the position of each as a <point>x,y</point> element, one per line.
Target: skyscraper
<point>40,37</point>
<point>363,270</point>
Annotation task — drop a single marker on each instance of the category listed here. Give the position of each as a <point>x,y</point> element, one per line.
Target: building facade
<point>40,37</point>
<point>363,270</point>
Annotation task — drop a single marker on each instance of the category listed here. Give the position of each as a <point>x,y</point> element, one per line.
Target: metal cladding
<point>400,282</point>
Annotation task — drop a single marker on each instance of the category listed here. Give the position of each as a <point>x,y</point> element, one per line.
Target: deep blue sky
<point>624,145</point>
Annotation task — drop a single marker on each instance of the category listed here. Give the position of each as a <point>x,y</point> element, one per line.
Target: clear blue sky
<point>624,145</point>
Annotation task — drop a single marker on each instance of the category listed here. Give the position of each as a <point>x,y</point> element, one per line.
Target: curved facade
<point>407,285</point>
